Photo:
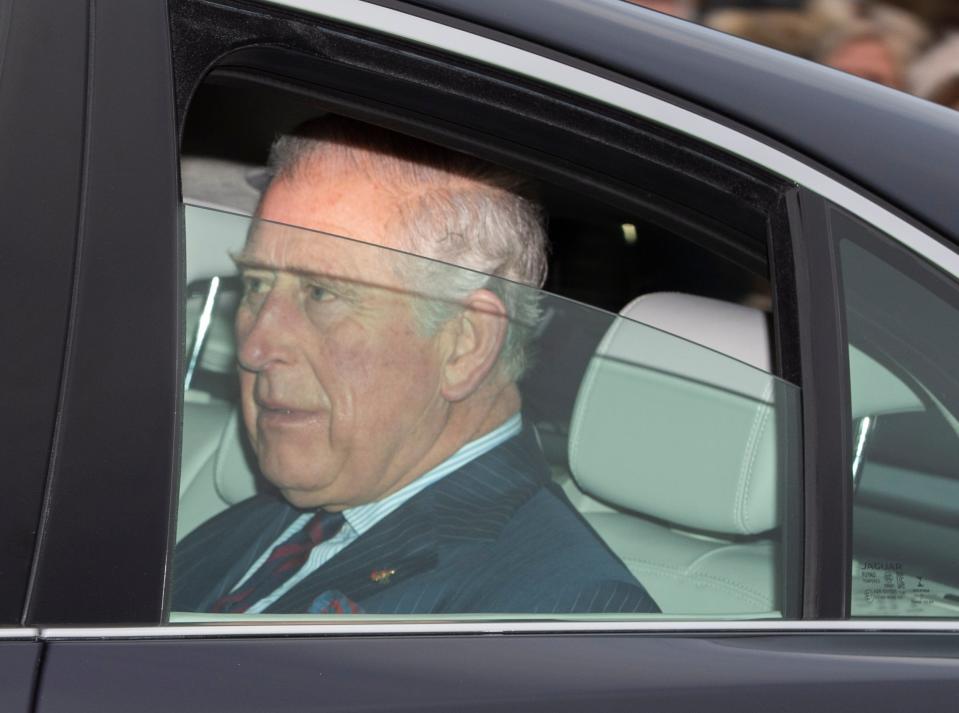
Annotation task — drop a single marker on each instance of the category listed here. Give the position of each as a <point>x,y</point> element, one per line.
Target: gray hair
<point>454,209</point>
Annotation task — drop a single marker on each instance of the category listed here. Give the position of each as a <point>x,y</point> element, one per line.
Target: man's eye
<point>252,285</point>
<point>318,293</point>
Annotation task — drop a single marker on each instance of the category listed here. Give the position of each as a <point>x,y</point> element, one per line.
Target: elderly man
<point>379,394</point>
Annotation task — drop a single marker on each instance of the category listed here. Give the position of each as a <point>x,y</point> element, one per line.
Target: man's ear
<point>477,336</point>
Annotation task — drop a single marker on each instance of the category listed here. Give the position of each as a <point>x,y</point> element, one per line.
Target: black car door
<point>98,597</point>
<point>41,114</point>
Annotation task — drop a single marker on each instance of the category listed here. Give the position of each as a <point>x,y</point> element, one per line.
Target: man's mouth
<point>277,415</point>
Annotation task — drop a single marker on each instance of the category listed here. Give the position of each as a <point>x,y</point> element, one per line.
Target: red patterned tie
<point>284,561</point>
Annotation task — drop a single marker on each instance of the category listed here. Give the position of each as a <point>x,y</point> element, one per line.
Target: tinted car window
<point>903,320</point>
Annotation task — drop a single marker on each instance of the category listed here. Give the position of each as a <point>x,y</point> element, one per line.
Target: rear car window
<point>902,317</point>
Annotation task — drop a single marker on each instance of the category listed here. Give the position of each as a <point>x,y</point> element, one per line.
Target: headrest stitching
<point>719,582</point>
<point>740,509</point>
<point>767,411</point>
<point>232,422</point>
<point>584,396</point>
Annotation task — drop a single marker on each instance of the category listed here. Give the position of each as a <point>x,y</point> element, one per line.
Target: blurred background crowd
<point>911,45</point>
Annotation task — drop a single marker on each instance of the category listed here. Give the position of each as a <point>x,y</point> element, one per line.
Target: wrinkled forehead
<point>286,248</point>
<point>289,248</point>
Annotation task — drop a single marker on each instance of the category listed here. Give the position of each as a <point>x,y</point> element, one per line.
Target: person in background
<point>874,41</point>
<point>935,13</point>
<point>794,31</point>
<point>684,9</point>
<point>935,75</point>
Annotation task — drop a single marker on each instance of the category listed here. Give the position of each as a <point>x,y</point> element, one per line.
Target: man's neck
<point>363,517</point>
<point>465,421</point>
<point>502,404</point>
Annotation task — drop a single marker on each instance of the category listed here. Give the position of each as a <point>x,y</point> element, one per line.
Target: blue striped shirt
<point>363,517</point>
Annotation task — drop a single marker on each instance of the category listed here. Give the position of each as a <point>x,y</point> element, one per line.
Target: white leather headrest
<point>735,330</point>
<point>680,431</point>
<point>219,347</point>
<point>234,473</point>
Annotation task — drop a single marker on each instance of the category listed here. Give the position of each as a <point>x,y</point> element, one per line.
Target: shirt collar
<point>362,517</point>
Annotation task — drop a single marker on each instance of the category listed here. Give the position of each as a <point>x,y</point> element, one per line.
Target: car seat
<point>217,468</point>
<point>680,449</point>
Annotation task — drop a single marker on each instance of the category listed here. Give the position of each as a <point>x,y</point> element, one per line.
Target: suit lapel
<point>476,502</point>
<point>210,561</point>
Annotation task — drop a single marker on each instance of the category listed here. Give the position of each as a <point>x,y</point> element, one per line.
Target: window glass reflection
<point>416,438</point>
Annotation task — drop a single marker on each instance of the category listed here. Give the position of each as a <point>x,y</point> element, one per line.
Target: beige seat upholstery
<point>680,443</point>
<point>216,468</point>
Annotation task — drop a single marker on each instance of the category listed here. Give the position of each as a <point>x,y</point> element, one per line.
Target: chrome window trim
<point>18,633</point>
<point>519,61</point>
<point>255,630</point>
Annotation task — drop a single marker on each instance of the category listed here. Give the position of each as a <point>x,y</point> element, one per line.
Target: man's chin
<point>308,499</point>
<point>301,486</point>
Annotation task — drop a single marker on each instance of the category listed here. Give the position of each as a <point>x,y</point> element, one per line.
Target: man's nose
<point>264,337</point>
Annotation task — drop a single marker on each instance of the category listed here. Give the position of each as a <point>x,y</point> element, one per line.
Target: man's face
<point>340,389</point>
<point>677,8</point>
<point>869,58</point>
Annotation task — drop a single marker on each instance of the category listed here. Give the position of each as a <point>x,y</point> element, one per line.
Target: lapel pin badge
<point>382,576</point>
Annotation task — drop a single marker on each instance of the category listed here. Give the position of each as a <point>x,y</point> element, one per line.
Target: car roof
<point>903,149</point>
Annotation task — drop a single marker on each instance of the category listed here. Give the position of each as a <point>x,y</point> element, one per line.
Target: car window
<point>609,466</point>
<point>661,446</point>
<point>902,318</point>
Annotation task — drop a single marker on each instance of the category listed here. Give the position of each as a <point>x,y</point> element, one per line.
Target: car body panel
<point>611,672</point>
<point>19,661</point>
<point>40,169</point>
<point>116,447</point>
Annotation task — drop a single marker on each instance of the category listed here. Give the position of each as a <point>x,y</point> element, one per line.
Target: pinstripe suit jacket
<point>495,536</point>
